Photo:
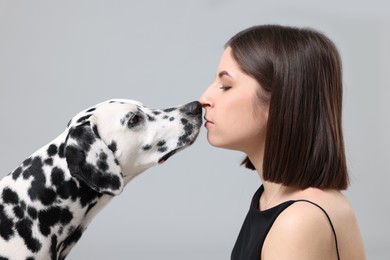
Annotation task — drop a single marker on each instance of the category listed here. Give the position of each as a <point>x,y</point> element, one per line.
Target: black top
<point>256,226</point>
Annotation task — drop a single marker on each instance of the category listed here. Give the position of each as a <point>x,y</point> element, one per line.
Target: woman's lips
<point>208,123</point>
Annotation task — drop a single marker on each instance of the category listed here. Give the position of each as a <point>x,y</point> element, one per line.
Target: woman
<point>277,97</point>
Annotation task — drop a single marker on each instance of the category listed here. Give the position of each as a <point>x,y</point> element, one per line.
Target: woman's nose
<point>205,100</point>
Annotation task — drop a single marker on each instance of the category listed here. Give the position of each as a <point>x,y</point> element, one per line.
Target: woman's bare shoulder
<point>303,230</point>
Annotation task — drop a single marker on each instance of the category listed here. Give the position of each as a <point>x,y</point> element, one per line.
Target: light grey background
<point>58,57</point>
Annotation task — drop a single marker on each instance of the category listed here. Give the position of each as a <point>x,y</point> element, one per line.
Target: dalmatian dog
<point>48,201</point>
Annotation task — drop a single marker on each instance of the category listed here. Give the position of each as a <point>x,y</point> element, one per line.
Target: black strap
<point>330,221</point>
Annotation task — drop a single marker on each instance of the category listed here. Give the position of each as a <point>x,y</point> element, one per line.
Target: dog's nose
<point>193,108</point>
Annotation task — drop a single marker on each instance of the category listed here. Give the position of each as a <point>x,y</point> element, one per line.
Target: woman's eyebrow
<point>224,73</point>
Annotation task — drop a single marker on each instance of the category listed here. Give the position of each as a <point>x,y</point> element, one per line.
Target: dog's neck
<point>81,208</point>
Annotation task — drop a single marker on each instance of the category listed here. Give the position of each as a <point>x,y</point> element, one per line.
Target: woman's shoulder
<point>330,205</point>
<point>305,227</point>
<point>333,202</point>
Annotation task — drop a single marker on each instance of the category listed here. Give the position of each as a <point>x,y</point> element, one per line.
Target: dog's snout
<point>193,108</point>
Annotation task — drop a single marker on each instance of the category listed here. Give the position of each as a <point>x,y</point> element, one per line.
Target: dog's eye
<point>134,120</point>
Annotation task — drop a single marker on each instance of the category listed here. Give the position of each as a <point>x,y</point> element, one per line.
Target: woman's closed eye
<point>225,88</point>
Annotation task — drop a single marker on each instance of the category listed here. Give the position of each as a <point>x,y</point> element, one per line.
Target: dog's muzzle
<point>193,112</point>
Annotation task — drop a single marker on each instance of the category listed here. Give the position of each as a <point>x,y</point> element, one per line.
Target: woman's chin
<point>223,145</point>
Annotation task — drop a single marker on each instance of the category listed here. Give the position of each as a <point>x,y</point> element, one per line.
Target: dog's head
<point>114,141</point>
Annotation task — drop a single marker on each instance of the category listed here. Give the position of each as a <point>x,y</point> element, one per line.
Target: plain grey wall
<point>58,57</point>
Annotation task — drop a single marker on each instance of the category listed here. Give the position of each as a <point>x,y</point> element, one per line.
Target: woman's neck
<point>274,193</point>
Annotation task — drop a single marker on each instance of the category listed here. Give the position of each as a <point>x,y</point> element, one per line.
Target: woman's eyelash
<point>224,88</point>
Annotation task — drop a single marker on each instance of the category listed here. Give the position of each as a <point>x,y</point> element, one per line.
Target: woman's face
<point>235,119</point>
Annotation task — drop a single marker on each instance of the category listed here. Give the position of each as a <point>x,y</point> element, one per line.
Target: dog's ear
<point>91,161</point>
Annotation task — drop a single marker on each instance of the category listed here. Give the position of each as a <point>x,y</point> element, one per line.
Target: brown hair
<point>300,74</point>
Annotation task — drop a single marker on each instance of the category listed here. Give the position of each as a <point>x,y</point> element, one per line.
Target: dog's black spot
<point>67,189</point>
<point>9,196</point>
<point>48,161</point>
<point>52,150</point>
<point>57,176</point>
<point>184,139</point>
<point>6,225</point>
<point>3,258</point>
<point>171,118</point>
<point>46,195</point>
<point>151,118</point>
<point>66,217</point>
<point>91,109</point>
<point>74,157</point>
<point>23,205</point>
<point>83,118</point>
<point>161,143</point>
<point>188,129</point>
<point>156,113</point>
<point>19,212</point>
<point>53,247</point>
<point>108,181</point>
<point>27,162</point>
<point>35,168</point>
<point>61,151</point>
<point>116,161</point>
<point>165,117</point>
<point>16,173</point>
<point>32,212</point>
<point>84,136</point>
<point>52,216</point>
<point>162,149</point>
<point>37,188</point>
<point>87,195</point>
<point>112,146</point>
<point>146,147</point>
<point>102,162</point>
<point>25,231</point>
<point>169,109</point>
<point>30,258</point>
